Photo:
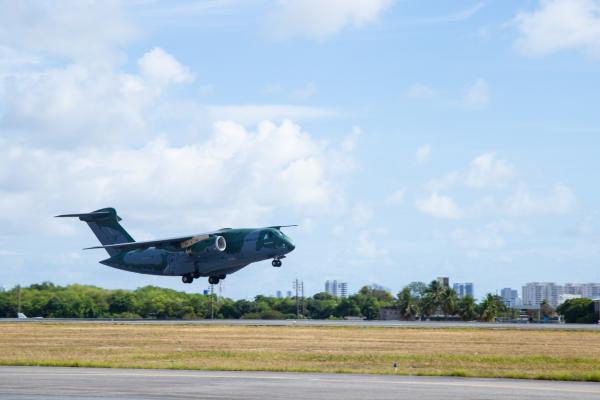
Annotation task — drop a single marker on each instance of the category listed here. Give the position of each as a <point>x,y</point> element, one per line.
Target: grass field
<point>564,355</point>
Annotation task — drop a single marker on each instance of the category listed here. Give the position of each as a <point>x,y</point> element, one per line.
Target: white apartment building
<point>535,292</point>
<point>337,289</point>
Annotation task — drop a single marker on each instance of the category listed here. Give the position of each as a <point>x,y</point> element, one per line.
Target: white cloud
<point>423,153</point>
<point>160,66</point>
<point>485,171</point>
<point>82,103</point>
<point>560,25</point>
<point>420,91</point>
<point>86,31</point>
<point>253,113</point>
<point>561,200</point>
<point>477,95</point>
<point>318,19</point>
<point>396,197</point>
<point>439,206</point>
<point>235,176</point>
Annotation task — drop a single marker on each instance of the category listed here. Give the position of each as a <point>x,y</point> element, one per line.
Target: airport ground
<point>555,354</point>
<point>89,383</point>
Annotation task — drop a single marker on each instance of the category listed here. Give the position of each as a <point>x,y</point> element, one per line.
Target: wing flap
<point>176,243</point>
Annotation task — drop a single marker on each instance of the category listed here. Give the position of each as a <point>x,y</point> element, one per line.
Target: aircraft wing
<point>176,243</point>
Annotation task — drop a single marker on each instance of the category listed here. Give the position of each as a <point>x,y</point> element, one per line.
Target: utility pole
<point>299,288</point>
<point>19,300</point>
<point>212,311</point>
<point>296,287</point>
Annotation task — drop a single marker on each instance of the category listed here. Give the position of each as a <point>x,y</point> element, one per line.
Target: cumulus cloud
<point>236,175</point>
<point>81,102</point>
<point>439,206</point>
<point>318,19</point>
<point>487,170</point>
<point>484,171</point>
<point>560,25</point>
<point>477,95</point>
<point>160,66</point>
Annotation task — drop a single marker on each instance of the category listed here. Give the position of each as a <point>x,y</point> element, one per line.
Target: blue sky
<point>408,139</point>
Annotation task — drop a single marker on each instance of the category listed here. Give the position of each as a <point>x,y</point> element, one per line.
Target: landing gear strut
<point>187,278</point>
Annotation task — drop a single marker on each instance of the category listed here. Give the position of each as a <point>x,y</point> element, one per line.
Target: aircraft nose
<point>290,246</point>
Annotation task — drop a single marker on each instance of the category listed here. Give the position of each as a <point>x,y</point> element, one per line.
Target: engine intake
<point>214,244</point>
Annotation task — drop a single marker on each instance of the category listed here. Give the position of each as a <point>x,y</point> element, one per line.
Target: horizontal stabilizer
<point>281,226</point>
<point>83,216</point>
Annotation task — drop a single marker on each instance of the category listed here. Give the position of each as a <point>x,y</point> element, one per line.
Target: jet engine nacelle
<point>215,244</point>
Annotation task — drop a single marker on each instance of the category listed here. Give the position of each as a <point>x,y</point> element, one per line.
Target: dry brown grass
<point>568,355</point>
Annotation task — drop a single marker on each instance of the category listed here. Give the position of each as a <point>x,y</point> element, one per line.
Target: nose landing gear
<point>187,278</point>
<point>277,261</point>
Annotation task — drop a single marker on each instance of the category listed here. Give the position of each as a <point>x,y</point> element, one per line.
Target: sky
<point>408,139</point>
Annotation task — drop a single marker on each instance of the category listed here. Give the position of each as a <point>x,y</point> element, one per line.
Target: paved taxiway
<point>90,383</point>
<point>315,322</point>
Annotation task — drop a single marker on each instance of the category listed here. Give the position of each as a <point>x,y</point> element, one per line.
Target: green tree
<point>408,304</point>
<point>580,311</point>
<point>491,307</point>
<point>467,308</point>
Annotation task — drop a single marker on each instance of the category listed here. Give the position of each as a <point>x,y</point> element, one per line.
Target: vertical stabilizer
<point>105,225</point>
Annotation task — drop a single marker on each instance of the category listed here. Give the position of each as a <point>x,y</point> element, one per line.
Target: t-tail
<point>105,225</point>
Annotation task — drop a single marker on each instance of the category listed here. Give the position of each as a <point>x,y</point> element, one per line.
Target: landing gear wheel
<point>187,279</point>
<point>276,263</point>
<point>213,280</point>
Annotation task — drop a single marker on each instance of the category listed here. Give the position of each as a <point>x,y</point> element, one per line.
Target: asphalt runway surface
<point>91,383</point>
<point>314,322</point>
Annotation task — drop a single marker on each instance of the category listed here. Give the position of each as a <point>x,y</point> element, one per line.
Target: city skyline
<point>406,140</point>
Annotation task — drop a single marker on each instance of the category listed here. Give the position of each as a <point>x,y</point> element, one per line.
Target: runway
<point>34,383</point>
<point>315,322</point>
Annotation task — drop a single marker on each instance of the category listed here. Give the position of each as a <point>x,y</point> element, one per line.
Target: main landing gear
<point>214,280</point>
<point>189,278</point>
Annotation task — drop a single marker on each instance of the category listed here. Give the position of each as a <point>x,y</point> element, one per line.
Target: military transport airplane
<point>213,254</point>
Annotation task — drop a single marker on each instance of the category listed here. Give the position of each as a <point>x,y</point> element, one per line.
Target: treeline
<point>416,301</point>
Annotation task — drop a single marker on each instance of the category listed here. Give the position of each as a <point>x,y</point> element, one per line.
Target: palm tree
<point>490,307</point>
<point>466,308</point>
<point>449,302</point>
<point>407,304</point>
<point>433,298</point>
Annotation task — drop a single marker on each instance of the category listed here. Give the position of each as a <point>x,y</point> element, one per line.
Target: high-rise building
<point>536,292</point>
<point>337,289</point>
<point>288,294</point>
<point>443,281</point>
<point>589,290</point>
<point>279,294</point>
<point>463,289</point>
<point>510,297</point>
